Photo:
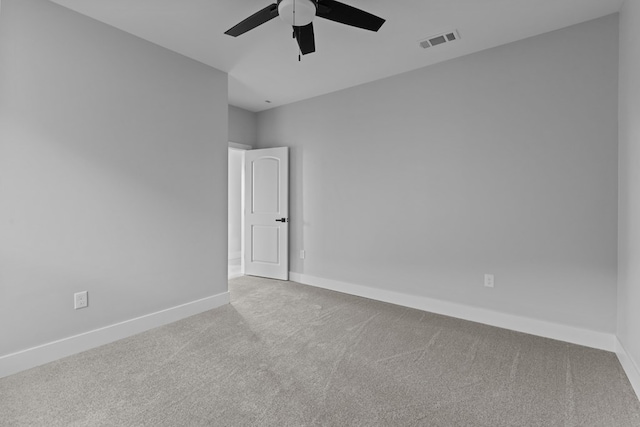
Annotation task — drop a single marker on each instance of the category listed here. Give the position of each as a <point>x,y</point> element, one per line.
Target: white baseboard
<point>36,356</point>
<point>571,334</point>
<point>630,367</point>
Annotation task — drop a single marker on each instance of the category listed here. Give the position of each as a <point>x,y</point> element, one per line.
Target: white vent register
<point>438,39</point>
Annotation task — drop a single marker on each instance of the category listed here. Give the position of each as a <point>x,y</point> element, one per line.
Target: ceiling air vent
<point>447,37</point>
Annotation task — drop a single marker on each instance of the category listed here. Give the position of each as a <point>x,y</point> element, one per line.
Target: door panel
<point>265,244</point>
<point>267,197</point>
<point>266,181</point>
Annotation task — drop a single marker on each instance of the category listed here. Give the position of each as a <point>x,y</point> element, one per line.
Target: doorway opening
<point>235,251</point>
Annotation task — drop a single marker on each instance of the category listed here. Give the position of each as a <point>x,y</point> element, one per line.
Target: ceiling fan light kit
<point>300,14</point>
<point>297,13</point>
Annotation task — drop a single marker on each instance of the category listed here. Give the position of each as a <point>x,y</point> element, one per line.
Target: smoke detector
<point>442,38</point>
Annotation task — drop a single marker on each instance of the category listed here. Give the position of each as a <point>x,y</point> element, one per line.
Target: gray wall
<point>629,196</point>
<point>113,168</point>
<point>503,162</point>
<point>243,126</point>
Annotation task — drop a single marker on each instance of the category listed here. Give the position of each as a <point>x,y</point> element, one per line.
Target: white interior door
<point>266,220</point>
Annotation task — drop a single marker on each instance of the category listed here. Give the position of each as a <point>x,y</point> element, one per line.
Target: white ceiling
<point>263,63</point>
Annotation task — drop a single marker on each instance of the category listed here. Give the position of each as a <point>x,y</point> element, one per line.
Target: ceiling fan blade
<point>349,15</point>
<point>306,40</point>
<point>258,18</point>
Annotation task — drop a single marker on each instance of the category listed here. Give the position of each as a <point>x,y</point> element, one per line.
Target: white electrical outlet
<point>80,299</point>
<point>488,280</point>
<point>302,254</point>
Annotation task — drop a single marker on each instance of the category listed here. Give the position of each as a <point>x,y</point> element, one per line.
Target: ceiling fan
<point>300,13</point>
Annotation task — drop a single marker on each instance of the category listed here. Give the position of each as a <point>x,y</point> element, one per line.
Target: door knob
<point>283,220</point>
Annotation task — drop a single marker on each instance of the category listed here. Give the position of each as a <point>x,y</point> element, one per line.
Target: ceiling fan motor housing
<point>297,13</point>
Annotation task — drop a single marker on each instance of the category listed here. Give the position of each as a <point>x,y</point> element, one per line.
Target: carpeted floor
<point>283,354</point>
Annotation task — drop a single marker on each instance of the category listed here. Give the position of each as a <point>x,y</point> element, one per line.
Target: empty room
<point>316,212</point>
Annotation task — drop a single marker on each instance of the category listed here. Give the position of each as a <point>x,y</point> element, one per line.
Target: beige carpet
<point>284,354</point>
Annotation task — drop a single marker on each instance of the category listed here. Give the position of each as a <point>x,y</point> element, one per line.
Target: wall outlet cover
<point>80,299</point>
<point>488,280</point>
